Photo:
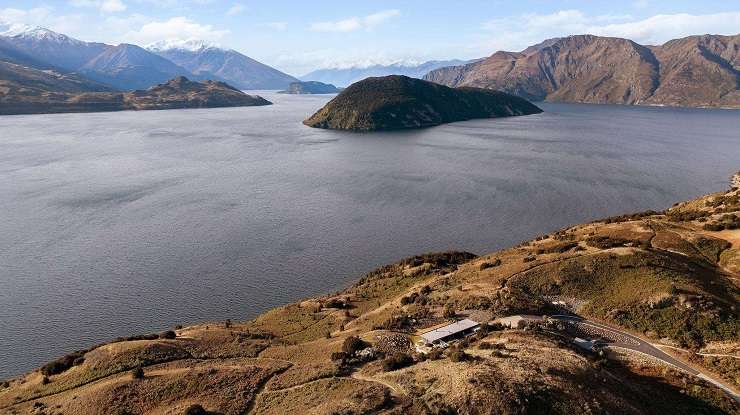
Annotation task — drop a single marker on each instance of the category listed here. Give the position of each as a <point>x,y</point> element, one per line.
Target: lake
<point>116,224</point>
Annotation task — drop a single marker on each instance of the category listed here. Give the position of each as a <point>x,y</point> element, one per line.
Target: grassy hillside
<point>670,277</point>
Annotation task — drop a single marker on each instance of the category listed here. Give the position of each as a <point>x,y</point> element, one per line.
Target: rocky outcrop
<point>399,102</point>
<point>698,71</point>
<point>177,93</point>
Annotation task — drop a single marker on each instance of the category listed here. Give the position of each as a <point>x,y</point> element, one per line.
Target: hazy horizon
<point>298,38</point>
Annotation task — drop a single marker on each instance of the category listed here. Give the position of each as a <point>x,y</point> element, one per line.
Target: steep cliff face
<point>695,71</point>
<point>699,71</point>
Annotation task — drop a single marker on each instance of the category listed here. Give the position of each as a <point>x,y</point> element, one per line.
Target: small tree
<point>195,410</point>
<point>353,344</point>
<point>137,372</point>
<point>435,354</point>
<point>169,334</point>
<point>397,361</point>
<point>449,311</point>
<point>338,356</point>
<point>458,355</point>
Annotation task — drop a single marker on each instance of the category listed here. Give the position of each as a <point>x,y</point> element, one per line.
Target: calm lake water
<point>114,224</point>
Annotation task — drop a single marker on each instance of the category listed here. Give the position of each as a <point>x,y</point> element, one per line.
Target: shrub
<point>449,312</point>
<point>458,355</point>
<point>714,227</point>
<point>486,265</point>
<point>632,216</point>
<point>169,334</point>
<point>152,336</point>
<point>494,327</point>
<point>409,299</point>
<point>605,242</point>
<point>440,259</point>
<point>337,303</point>
<point>178,327</point>
<point>338,356</point>
<point>396,323</point>
<point>45,380</point>
<point>195,410</point>
<point>435,354</point>
<point>397,361</point>
<point>62,364</point>
<point>353,344</point>
<point>137,372</point>
<point>485,346</point>
<point>227,323</point>
<point>687,216</point>
<point>4,384</point>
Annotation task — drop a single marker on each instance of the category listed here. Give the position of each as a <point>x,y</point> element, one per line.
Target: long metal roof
<point>448,330</point>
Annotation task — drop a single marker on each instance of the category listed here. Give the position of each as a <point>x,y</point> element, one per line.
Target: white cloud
<point>275,25</point>
<point>236,9</point>
<point>376,19</point>
<point>44,17</point>
<point>112,6</point>
<point>352,24</point>
<point>34,16</point>
<point>518,32</point>
<point>174,28</point>
<point>105,6</point>
<point>663,27</point>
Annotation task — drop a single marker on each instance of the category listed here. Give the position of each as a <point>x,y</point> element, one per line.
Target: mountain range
<point>347,76</point>
<point>210,61</point>
<point>696,71</point>
<point>130,67</point>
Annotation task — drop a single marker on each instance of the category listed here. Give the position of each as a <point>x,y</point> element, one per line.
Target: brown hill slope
<point>19,76</point>
<point>698,71</point>
<point>177,93</point>
<point>670,277</point>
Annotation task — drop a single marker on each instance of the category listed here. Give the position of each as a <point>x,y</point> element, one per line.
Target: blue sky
<point>299,36</point>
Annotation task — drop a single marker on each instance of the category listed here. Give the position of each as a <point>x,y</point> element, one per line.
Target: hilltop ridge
<point>695,71</point>
<point>180,92</point>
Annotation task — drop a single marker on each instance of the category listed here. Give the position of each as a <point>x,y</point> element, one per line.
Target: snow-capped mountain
<point>349,75</point>
<point>45,45</point>
<point>130,67</point>
<point>124,66</point>
<point>192,45</point>
<point>208,60</point>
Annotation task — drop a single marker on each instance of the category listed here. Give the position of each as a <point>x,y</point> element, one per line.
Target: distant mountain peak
<point>20,30</point>
<point>347,75</point>
<point>190,45</point>
<point>12,29</point>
